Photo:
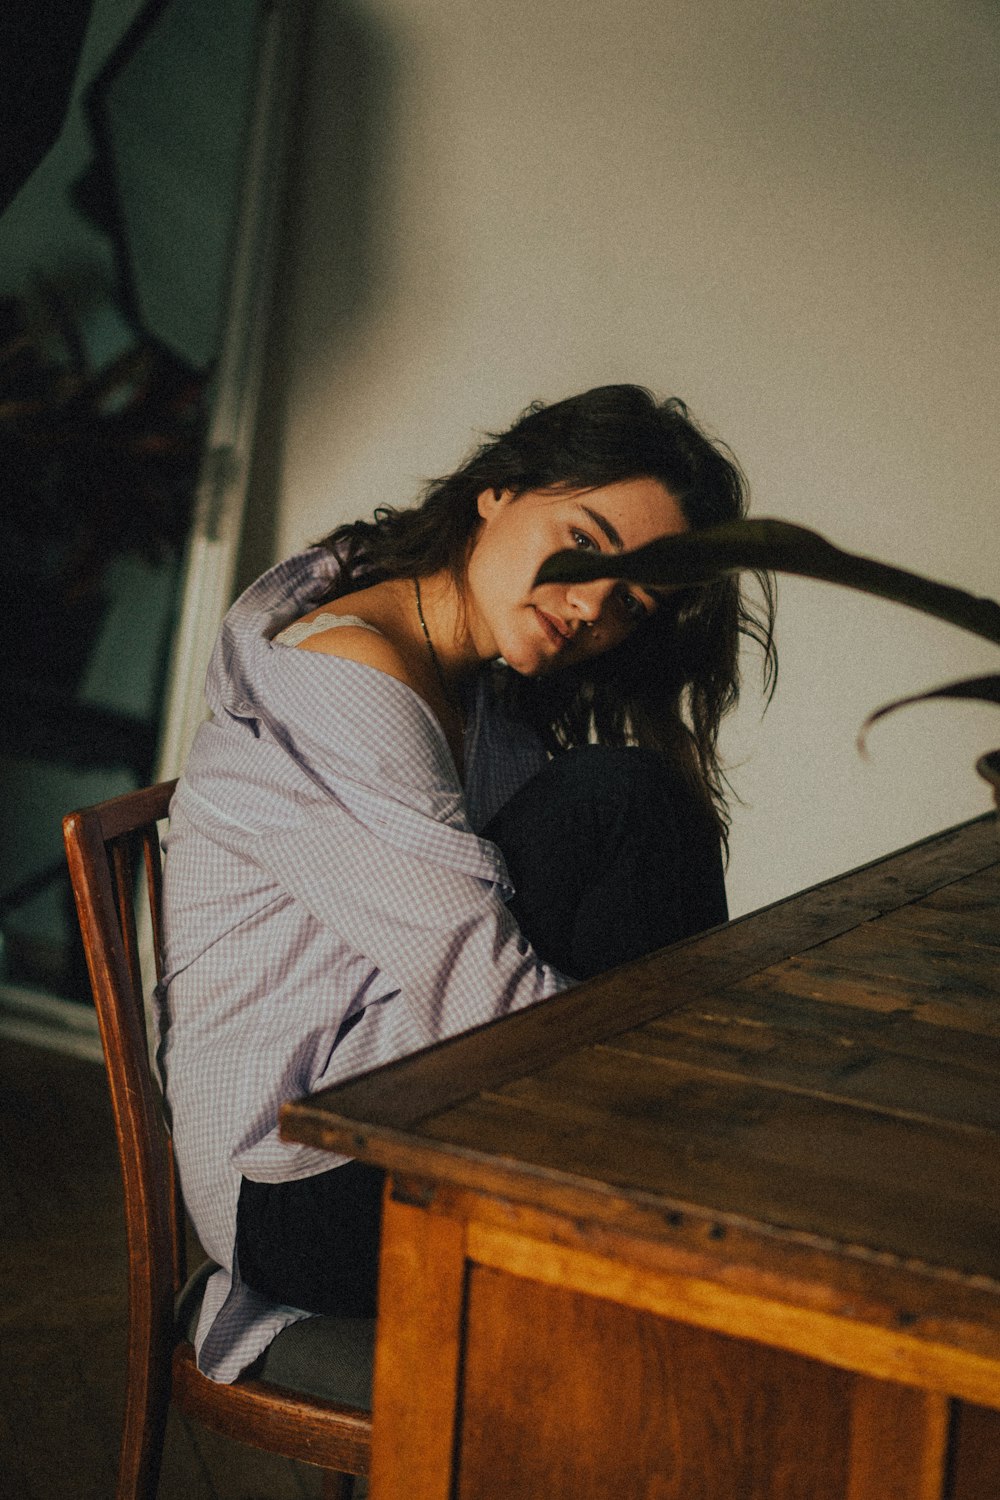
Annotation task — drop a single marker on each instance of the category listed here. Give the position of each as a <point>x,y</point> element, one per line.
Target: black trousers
<point>612,858</point>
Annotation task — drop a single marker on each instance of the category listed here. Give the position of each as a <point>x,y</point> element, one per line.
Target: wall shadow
<point>337,197</point>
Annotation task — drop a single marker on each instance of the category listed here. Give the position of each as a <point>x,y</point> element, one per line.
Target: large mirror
<point>135,269</point>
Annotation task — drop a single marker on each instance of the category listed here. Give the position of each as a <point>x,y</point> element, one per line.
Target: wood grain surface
<point>358,1116</point>
<point>723,1224</point>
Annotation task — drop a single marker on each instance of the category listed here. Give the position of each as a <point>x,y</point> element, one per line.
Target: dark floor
<point>62,1317</point>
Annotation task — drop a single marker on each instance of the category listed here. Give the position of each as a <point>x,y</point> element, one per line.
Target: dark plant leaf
<point>988,767</point>
<point>775,546</point>
<point>981,689</point>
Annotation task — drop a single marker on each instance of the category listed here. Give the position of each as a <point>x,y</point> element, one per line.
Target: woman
<point>432,792</point>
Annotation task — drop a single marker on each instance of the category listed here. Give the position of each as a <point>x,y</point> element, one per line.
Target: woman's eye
<point>583,541</point>
<point>633,607</point>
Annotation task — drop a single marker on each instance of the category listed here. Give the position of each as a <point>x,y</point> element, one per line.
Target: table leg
<point>898,1442</point>
<point>421,1287</point>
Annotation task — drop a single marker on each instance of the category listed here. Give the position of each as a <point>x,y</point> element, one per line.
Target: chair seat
<point>323,1356</point>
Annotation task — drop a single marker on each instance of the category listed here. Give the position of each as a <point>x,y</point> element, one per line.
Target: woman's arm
<point>444,937</point>
<point>377,846</point>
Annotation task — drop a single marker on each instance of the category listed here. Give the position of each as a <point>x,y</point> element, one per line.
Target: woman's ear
<point>489,502</point>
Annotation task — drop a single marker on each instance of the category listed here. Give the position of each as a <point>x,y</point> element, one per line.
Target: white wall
<point>784,212</point>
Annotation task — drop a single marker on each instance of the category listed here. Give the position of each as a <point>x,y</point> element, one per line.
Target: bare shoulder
<point>366,626</point>
<point>363,644</point>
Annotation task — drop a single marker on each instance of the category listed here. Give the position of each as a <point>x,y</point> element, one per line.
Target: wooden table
<point>723,1224</point>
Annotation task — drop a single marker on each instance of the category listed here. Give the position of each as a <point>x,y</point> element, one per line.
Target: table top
<point>822,1074</point>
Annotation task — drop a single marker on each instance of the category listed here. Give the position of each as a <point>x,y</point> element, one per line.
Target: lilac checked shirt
<point>328,907</point>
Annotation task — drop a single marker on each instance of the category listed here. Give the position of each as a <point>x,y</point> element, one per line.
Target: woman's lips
<point>553,628</point>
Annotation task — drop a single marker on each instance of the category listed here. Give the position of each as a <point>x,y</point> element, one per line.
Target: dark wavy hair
<point>670,683</point>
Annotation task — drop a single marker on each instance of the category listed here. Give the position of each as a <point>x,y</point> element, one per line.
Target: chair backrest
<point>112,847</point>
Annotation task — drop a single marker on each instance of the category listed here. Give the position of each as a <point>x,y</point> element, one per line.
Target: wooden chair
<point>107,847</point>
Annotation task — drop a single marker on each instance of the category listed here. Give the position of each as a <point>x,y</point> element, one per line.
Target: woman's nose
<point>588,599</point>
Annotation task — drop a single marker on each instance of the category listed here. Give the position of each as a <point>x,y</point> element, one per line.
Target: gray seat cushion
<point>321,1356</point>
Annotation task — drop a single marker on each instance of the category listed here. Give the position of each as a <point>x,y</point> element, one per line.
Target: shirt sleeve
<point>446,939</point>
<point>381,851</point>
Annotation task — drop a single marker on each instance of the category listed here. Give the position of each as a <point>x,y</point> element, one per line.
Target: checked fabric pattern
<point>328,907</point>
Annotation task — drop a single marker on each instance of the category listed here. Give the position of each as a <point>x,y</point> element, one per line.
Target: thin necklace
<point>449,696</point>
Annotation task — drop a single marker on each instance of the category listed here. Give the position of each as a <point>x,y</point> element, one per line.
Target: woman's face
<point>538,630</point>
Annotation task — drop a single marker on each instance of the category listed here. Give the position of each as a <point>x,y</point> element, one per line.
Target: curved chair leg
<point>143,1433</point>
